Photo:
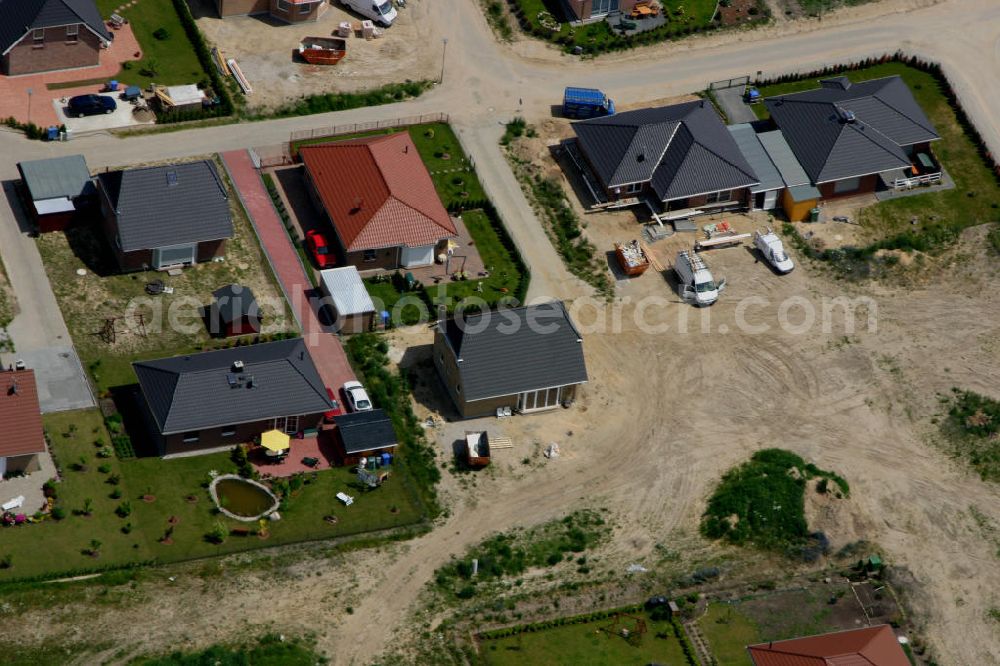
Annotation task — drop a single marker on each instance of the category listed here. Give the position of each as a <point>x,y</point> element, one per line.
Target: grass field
<point>761,502</point>
<point>941,215</point>
<point>174,483</point>
<point>173,58</point>
<point>585,644</point>
<point>172,321</point>
<point>728,633</point>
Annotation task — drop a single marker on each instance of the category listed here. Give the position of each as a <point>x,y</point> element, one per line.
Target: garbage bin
<point>53,133</point>
<point>67,134</point>
<point>112,85</point>
<point>814,215</point>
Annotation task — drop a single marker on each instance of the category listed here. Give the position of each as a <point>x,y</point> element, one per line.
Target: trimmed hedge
<point>225,105</point>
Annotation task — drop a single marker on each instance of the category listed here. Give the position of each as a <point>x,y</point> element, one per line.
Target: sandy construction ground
<point>267,53</point>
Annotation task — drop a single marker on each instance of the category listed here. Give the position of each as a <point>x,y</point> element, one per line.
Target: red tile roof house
<point>23,438</point>
<point>871,646</point>
<point>47,35</point>
<point>380,200</point>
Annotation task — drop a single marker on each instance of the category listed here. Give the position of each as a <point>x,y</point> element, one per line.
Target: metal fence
<point>354,128</point>
<point>729,83</point>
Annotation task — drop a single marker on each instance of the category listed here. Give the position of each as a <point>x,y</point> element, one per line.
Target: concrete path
<point>38,331</point>
<point>325,347</point>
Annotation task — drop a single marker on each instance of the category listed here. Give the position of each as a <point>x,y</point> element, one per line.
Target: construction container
<point>322,50</point>
<point>477,448</point>
<point>631,258</point>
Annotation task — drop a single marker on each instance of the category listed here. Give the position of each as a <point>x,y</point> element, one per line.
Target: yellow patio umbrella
<point>274,440</point>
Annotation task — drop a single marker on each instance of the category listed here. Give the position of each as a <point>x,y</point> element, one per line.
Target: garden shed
<point>353,310</point>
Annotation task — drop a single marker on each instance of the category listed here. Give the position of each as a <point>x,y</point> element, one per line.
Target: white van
<point>694,281</point>
<point>380,11</point>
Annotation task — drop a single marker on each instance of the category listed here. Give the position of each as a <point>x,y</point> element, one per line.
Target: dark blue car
<point>91,105</point>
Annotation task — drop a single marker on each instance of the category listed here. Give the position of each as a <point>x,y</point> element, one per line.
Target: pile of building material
<point>180,97</point>
<point>237,73</point>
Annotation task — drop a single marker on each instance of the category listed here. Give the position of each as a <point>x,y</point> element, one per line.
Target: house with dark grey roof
<point>234,311</point>
<point>56,190</point>
<point>525,359</point>
<point>680,156</point>
<point>364,434</point>
<point>852,138</point>
<point>165,216</point>
<point>217,399</point>
<point>46,35</point>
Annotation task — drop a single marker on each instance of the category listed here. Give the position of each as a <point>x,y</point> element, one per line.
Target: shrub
<point>58,513</point>
<point>124,509</point>
<point>104,468</point>
<point>161,34</point>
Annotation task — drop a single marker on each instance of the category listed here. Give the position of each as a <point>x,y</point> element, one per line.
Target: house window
<point>632,188</point>
<point>282,5</point>
<point>368,255</point>
<point>305,9</point>
<point>190,437</point>
<point>72,32</point>
<point>38,38</point>
<point>229,432</point>
<point>847,185</point>
<point>719,197</point>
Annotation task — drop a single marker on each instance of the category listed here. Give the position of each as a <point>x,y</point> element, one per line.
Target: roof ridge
<point>291,361</point>
<point>738,168</point>
<point>900,112</point>
<point>421,212</point>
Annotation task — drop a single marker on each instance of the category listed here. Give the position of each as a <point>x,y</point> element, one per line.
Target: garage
<point>56,189</point>
<point>353,310</point>
<point>417,256</point>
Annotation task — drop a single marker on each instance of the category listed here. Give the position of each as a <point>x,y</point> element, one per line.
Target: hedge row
<point>689,654</point>
<point>225,105</point>
<point>532,627</point>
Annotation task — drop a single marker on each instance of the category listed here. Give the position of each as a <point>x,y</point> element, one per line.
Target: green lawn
<point>87,301</point>
<point>728,633</point>
<point>940,214</point>
<point>173,58</point>
<point>586,643</point>
<point>67,541</point>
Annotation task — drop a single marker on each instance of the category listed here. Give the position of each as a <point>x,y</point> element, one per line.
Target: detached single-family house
<point>289,11</point>
<point>526,359</point>
<point>869,646</point>
<point>234,311</point>
<point>588,10</point>
<point>46,35</point>
<point>164,216</point>
<point>364,435</point>
<point>681,156</point>
<point>854,138</point>
<point>380,200</point>
<point>217,399</point>
<point>56,190</point>
<point>23,439</point>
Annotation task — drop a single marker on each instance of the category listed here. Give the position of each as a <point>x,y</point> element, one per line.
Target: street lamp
<point>30,91</point>
<point>444,50</point>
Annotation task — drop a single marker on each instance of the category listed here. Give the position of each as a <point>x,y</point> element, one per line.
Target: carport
<point>353,309</point>
<point>56,189</point>
<point>764,196</point>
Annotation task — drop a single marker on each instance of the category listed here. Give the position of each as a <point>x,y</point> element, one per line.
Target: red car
<point>337,409</point>
<point>319,249</point>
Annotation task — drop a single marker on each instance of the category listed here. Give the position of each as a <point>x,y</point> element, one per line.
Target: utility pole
<point>444,50</point>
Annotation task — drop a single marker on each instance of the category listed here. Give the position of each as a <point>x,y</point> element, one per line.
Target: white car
<point>357,397</point>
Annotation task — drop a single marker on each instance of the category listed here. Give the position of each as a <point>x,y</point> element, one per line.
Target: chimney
<point>238,366</point>
<point>406,149</point>
<point>13,387</point>
<point>251,382</point>
<point>358,202</point>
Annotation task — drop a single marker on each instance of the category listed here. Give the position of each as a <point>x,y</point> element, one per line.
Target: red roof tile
<point>871,646</point>
<point>20,416</point>
<point>378,192</point>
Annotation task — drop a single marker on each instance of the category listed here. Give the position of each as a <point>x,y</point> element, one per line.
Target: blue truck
<point>586,103</point>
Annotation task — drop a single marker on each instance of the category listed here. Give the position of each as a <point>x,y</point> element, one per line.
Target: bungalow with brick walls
<point>289,11</point>
<point>218,399</point>
<point>165,216</point>
<point>380,200</point>
<point>855,138</point>
<point>23,438</point>
<point>47,35</point>
<point>678,157</point>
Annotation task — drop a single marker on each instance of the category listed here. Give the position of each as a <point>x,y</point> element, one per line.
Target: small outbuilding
<point>234,311</point>
<point>23,439</point>
<point>56,190</point>
<point>364,435</point>
<point>352,308</point>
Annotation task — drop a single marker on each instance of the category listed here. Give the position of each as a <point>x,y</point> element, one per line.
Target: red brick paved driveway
<point>14,89</point>
<point>325,347</point>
